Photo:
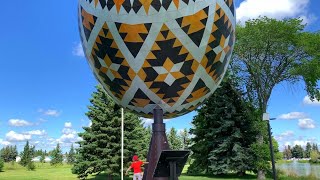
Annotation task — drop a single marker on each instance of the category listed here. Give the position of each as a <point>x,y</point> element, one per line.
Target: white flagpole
<point>122,129</point>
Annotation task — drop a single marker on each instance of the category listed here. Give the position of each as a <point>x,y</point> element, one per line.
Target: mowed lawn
<point>63,172</point>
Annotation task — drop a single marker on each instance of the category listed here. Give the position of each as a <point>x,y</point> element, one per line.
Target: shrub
<point>31,166</point>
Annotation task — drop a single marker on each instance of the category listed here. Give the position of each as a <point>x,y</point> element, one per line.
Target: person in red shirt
<point>136,166</point>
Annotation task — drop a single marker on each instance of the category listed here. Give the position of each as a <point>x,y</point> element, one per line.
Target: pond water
<point>300,169</point>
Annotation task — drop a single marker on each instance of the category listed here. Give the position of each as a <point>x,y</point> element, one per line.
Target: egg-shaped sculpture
<point>171,53</point>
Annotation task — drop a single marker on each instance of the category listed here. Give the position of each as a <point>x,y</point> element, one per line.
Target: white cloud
<point>293,115</point>
<point>285,136</point>
<point>67,124</point>
<point>49,112</point>
<point>4,143</point>
<point>68,136</point>
<point>278,9</point>
<point>37,132</point>
<point>306,123</point>
<point>78,50</point>
<point>19,122</point>
<point>14,137</point>
<point>308,101</point>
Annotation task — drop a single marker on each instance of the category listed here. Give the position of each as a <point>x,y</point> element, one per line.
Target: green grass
<point>14,171</point>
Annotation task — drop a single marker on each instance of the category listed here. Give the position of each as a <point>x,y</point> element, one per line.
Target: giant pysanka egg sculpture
<point>171,53</point>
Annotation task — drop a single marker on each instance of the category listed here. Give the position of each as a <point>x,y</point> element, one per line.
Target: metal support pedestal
<point>158,143</point>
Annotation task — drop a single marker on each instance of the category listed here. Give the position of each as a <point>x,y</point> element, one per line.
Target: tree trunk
<point>261,175</point>
<point>110,177</point>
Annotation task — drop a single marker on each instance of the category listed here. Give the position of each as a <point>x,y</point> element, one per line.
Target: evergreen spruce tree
<point>224,131</point>
<point>308,150</point>
<point>26,156</point>
<point>71,155</point>
<point>100,149</point>
<point>185,138</point>
<point>175,142</point>
<point>57,156</point>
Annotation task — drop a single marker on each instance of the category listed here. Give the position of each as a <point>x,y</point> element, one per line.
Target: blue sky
<point>46,83</point>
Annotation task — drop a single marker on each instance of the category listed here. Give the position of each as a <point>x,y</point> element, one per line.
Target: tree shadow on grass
<point>104,176</point>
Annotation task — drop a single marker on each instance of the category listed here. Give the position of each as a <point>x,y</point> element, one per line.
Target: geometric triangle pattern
<point>133,35</point>
<point>167,53</point>
<point>114,70</point>
<point>219,46</point>
<point>194,25</point>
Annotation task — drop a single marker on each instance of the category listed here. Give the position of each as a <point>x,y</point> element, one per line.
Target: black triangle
<point>165,33</point>
<point>143,35</point>
<point>171,101</point>
<point>123,35</point>
<point>196,37</point>
<point>134,47</point>
<point>218,12</point>
<point>103,3</point>
<point>110,4</point>
<point>166,4</point>
<point>204,21</point>
<point>186,29</point>
<point>118,25</point>
<point>87,32</point>
<point>127,5</point>
<point>186,1</point>
<point>206,10</point>
<point>148,26</point>
<point>179,21</point>
<point>136,5</point>
<point>156,4</point>
<point>105,31</point>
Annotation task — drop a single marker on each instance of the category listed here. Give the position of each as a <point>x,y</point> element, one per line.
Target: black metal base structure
<point>158,143</point>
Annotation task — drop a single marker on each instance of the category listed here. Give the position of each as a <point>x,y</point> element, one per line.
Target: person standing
<point>136,166</point>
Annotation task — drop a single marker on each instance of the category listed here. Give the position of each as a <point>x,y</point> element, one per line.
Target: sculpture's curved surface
<point>171,53</point>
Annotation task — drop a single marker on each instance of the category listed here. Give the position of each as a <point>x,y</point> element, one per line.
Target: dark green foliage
<point>1,164</point>
<point>26,154</point>
<point>57,156</point>
<point>297,151</point>
<point>100,149</point>
<point>9,153</point>
<point>224,132</point>
<point>308,150</point>
<point>268,52</point>
<point>71,156</point>
<point>174,140</point>
<point>31,166</point>
<point>315,147</point>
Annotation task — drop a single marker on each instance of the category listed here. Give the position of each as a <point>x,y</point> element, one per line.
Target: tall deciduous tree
<point>268,52</point>
<point>224,132</point>
<point>100,149</point>
<point>287,152</point>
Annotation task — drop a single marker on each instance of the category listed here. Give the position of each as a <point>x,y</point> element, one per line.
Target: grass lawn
<point>63,172</point>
